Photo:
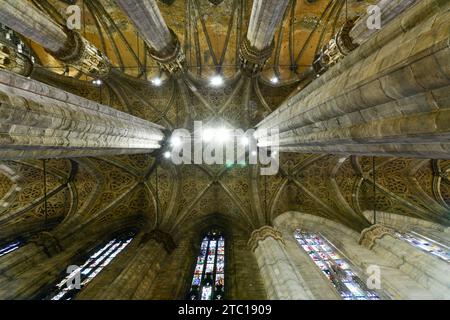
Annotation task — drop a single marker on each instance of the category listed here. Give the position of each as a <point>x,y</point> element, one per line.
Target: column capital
<point>337,48</point>
<point>252,60</point>
<point>173,62</point>
<point>263,233</point>
<point>83,55</point>
<point>161,237</point>
<point>373,233</point>
<point>14,61</point>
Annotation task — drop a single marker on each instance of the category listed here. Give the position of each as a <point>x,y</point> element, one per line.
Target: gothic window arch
<point>335,266</point>
<point>426,244</point>
<point>77,277</point>
<point>208,282</point>
<point>10,247</point>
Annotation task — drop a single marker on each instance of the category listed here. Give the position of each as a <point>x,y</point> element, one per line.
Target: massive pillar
<point>281,279</point>
<point>257,46</point>
<point>66,45</point>
<point>389,97</point>
<point>37,120</point>
<point>358,30</point>
<point>136,279</point>
<point>427,270</point>
<point>164,44</point>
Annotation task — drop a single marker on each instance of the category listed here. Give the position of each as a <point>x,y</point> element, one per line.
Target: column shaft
<point>257,47</point>
<point>164,44</point>
<point>281,279</point>
<point>66,45</point>
<point>42,121</point>
<point>265,18</point>
<point>388,97</point>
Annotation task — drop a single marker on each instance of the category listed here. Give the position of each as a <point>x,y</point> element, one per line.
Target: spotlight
<point>275,80</point>
<point>157,82</point>
<point>216,81</point>
<point>175,141</point>
<point>222,134</point>
<point>207,135</point>
<point>97,82</point>
<point>167,154</point>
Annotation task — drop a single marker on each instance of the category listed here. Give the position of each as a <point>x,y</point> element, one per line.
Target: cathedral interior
<point>349,98</point>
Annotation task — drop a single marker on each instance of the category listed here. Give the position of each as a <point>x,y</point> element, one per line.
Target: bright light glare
<point>275,80</point>
<point>97,82</point>
<point>175,141</point>
<point>167,154</point>
<point>222,134</point>
<point>157,82</point>
<point>245,141</point>
<point>216,81</point>
<point>208,135</point>
<point>254,153</point>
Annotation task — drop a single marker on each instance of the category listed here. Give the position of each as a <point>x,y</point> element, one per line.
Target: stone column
<point>427,270</point>
<point>164,44</point>
<point>389,97</point>
<point>389,10</point>
<point>356,31</point>
<point>257,46</point>
<point>135,281</point>
<point>66,45</point>
<point>281,279</point>
<point>37,120</point>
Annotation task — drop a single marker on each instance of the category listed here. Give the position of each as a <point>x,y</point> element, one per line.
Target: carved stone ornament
<point>84,56</point>
<point>253,60</point>
<point>373,233</point>
<point>173,62</point>
<point>161,237</point>
<point>263,233</point>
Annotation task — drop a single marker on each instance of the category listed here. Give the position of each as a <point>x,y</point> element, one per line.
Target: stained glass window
<point>428,245</point>
<point>335,267</point>
<point>10,247</point>
<point>100,258</point>
<point>208,282</point>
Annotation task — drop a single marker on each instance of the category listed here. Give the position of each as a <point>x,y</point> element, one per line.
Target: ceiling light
<point>175,141</point>
<point>216,81</point>
<point>207,135</point>
<point>157,82</point>
<point>97,82</point>
<point>275,80</point>
<point>222,134</point>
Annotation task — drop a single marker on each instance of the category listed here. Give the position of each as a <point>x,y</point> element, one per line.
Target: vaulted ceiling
<point>170,197</point>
